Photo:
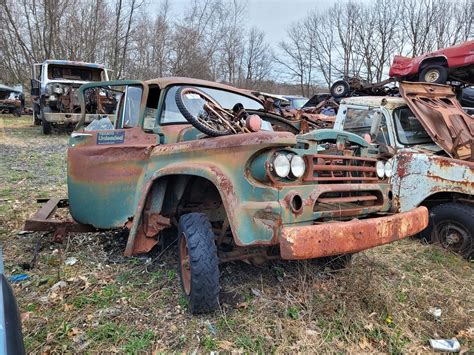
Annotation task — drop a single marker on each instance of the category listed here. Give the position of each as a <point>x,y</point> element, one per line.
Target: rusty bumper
<point>314,241</point>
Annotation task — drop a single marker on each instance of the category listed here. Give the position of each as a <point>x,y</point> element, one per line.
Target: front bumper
<point>328,239</point>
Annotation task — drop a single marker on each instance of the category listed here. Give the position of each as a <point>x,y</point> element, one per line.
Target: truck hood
<point>443,118</point>
<point>322,135</point>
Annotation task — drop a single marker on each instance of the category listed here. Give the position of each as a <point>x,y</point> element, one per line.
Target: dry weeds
<point>111,303</point>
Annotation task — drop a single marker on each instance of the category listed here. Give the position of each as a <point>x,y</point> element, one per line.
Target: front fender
<point>419,176</point>
<point>254,212</point>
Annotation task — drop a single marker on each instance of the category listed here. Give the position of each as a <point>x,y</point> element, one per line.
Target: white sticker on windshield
<point>192,96</point>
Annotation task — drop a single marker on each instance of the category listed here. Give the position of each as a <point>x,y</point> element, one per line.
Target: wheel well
<point>442,197</point>
<point>180,194</point>
<point>433,61</point>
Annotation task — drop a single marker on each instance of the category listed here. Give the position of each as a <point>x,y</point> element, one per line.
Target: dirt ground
<point>84,296</point>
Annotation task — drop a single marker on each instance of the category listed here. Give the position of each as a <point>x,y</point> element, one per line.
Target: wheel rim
<point>452,235</point>
<point>431,76</point>
<point>339,89</point>
<point>185,264</point>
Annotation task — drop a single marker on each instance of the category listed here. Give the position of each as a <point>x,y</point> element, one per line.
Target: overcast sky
<point>271,16</point>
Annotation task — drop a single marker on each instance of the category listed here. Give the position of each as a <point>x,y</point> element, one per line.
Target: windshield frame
<point>92,70</point>
<point>397,133</point>
<point>162,103</point>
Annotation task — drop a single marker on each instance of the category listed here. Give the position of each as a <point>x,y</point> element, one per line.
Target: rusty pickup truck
<point>54,87</point>
<point>429,138</point>
<point>170,160</point>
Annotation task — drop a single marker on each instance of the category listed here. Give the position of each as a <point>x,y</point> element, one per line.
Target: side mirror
<point>375,125</point>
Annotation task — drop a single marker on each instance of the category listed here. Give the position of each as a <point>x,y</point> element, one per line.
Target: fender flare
<point>207,171</point>
<point>437,59</point>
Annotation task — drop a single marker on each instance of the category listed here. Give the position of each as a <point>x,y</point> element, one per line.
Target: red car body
<point>457,56</point>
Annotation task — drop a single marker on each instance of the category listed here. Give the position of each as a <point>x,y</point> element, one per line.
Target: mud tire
<point>36,116</point>
<point>461,216</point>
<point>45,125</point>
<point>435,74</point>
<point>340,88</point>
<point>201,285</point>
<point>36,120</point>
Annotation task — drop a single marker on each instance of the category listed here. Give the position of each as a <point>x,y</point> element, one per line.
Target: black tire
<point>435,74</point>
<point>45,125</point>
<point>452,227</point>
<point>193,120</point>
<point>36,120</point>
<point>340,88</point>
<point>337,262</point>
<point>200,280</point>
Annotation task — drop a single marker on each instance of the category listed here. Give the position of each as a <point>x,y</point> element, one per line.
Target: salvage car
<point>12,101</point>
<point>455,63</point>
<point>296,102</point>
<point>233,180</point>
<point>430,141</point>
<point>54,86</point>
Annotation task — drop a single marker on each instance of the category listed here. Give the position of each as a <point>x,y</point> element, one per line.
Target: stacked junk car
<point>427,138</point>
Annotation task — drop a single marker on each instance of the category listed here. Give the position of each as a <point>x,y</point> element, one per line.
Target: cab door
<point>107,159</point>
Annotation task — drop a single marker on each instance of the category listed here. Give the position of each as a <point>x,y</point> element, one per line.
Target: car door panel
<point>106,166</point>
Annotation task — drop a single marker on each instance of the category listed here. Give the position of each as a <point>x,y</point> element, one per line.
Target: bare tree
<point>257,59</point>
<point>296,59</point>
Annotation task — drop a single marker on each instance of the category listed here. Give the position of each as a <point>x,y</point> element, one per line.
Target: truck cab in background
<point>427,139</point>
<point>54,85</point>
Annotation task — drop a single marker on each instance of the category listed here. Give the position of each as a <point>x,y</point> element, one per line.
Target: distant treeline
<point>212,40</point>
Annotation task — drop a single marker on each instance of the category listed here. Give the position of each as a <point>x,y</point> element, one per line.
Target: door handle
<point>76,134</point>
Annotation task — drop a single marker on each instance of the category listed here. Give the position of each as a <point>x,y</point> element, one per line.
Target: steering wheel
<point>204,113</point>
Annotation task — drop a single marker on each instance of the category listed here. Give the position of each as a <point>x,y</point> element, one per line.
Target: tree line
<point>212,40</point>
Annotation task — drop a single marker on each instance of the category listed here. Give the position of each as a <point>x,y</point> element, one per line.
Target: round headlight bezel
<point>297,166</point>
<point>380,169</point>
<point>281,165</point>
<point>388,170</point>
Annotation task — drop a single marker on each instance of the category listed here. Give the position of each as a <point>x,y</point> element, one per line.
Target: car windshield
<point>74,73</point>
<point>227,99</point>
<point>298,103</point>
<point>408,127</point>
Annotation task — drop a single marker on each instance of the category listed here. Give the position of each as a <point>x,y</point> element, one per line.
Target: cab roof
<point>73,62</point>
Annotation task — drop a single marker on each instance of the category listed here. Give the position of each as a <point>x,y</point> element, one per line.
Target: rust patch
<point>307,242</point>
<point>443,118</point>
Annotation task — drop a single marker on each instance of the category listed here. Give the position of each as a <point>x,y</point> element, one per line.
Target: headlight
<point>298,166</point>
<point>58,90</point>
<point>281,165</point>
<point>380,169</point>
<point>389,168</point>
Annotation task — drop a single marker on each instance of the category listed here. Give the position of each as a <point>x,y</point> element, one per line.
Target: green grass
<point>121,336</point>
